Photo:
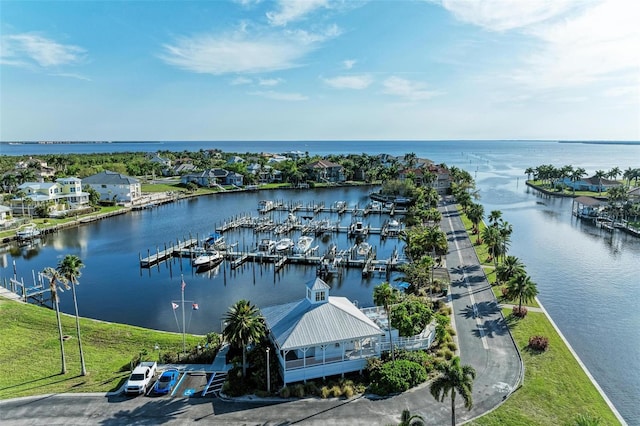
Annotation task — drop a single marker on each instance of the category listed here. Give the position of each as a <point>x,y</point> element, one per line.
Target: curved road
<point>483,339</point>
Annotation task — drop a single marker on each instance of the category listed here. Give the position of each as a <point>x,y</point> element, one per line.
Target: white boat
<point>266,246</point>
<point>28,232</point>
<point>209,259</point>
<point>304,244</point>
<point>376,206</point>
<point>284,244</point>
<point>362,250</point>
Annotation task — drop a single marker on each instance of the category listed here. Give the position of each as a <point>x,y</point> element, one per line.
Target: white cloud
<point>356,82</point>
<point>502,15</point>
<point>600,44</point>
<point>294,10</point>
<point>242,52</point>
<point>31,49</point>
<point>407,89</point>
<point>269,81</point>
<point>238,81</point>
<point>280,96</point>
<point>348,63</point>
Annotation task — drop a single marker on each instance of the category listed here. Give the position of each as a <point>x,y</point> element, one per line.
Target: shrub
<point>448,354</point>
<point>520,312</point>
<point>538,343</point>
<point>336,391</point>
<point>310,388</point>
<point>397,377</point>
<point>347,391</point>
<point>452,346</point>
<point>285,392</point>
<point>298,390</point>
<point>451,330</point>
<point>325,392</point>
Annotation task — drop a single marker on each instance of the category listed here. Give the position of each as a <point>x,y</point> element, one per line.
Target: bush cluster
<point>538,343</point>
<point>395,377</point>
<point>520,312</point>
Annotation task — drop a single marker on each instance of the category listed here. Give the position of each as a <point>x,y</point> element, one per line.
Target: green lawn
<point>30,351</point>
<point>555,389</point>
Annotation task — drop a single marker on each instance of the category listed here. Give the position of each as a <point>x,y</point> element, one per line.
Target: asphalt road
<point>483,339</point>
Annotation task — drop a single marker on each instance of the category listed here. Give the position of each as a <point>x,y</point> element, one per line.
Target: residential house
<point>213,177</point>
<point>62,195</point>
<point>114,186</point>
<point>183,168</point>
<point>5,214</point>
<point>156,158</point>
<point>321,335</point>
<point>326,171</point>
<point>634,194</point>
<point>442,181</point>
<point>592,183</point>
<point>235,160</point>
<point>41,169</point>
<point>265,174</point>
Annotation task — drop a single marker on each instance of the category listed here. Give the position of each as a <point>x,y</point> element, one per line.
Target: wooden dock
<point>162,255</point>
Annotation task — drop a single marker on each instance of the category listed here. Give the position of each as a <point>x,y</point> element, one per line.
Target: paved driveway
<point>483,339</point>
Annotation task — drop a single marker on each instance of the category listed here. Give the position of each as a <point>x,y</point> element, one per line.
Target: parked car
<point>140,378</point>
<point>166,382</point>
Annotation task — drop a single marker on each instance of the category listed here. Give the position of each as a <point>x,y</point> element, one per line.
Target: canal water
<point>587,278</point>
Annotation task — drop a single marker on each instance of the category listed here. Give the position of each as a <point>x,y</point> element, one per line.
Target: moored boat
<point>284,244</point>
<point>304,244</point>
<point>28,232</point>
<point>266,246</point>
<point>209,259</point>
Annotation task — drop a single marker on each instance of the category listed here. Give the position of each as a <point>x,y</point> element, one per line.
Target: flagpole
<point>184,350</point>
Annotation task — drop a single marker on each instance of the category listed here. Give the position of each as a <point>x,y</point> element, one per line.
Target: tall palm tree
<point>577,174</point>
<point>510,267</point>
<point>494,217</point>
<point>530,171</point>
<point>475,214</point>
<point>454,378</point>
<point>600,174</point>
<point>614,173</point>
<point>244,325</point>
<point>56,277</point>
<point>522,288</point>
<point>70,267</point>
<point>492,238</point>
<point>385,295</point>
<point>407,419</point>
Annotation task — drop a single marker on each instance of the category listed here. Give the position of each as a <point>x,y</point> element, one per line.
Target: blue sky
<point>320,69</point>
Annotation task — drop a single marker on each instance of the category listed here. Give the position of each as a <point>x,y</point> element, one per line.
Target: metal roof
<point>109,178</point>
<point>304,324</point>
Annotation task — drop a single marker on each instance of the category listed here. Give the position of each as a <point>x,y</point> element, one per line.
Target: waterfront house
<point>5,213</point>
<point>326,171</point>
<point>321,335</point>
<point>62,195</point>
<point>114,186</point>
<point>592,184</point>
<point>213,177</point>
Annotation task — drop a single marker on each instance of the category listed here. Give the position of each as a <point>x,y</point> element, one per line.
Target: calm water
<point>588,280</point>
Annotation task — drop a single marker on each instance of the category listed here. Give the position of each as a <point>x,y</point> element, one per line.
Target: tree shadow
<point>37,380</point>
<point>491,328</point>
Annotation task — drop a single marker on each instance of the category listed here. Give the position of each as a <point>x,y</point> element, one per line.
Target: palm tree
<point>407,419</point>
<point>522,288</point>
<point>385,295</point>
<point>506,229</point>
<point>454,378</point>
<point>530,171</point>
<point>70,267</point>
<point>492,238</point>
<point>599,175</point>
<point>576,175</point>
<point>510,267</point>
<point>244,325</point>
<point>614,173</point>
<point>475,214</point>
<point>494,217</point>
<point>56,277</point>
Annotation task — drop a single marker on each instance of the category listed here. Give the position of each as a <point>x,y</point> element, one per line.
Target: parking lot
<point>190,384</point>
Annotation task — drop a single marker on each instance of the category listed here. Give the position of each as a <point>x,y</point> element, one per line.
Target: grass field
<point>30,351</point>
